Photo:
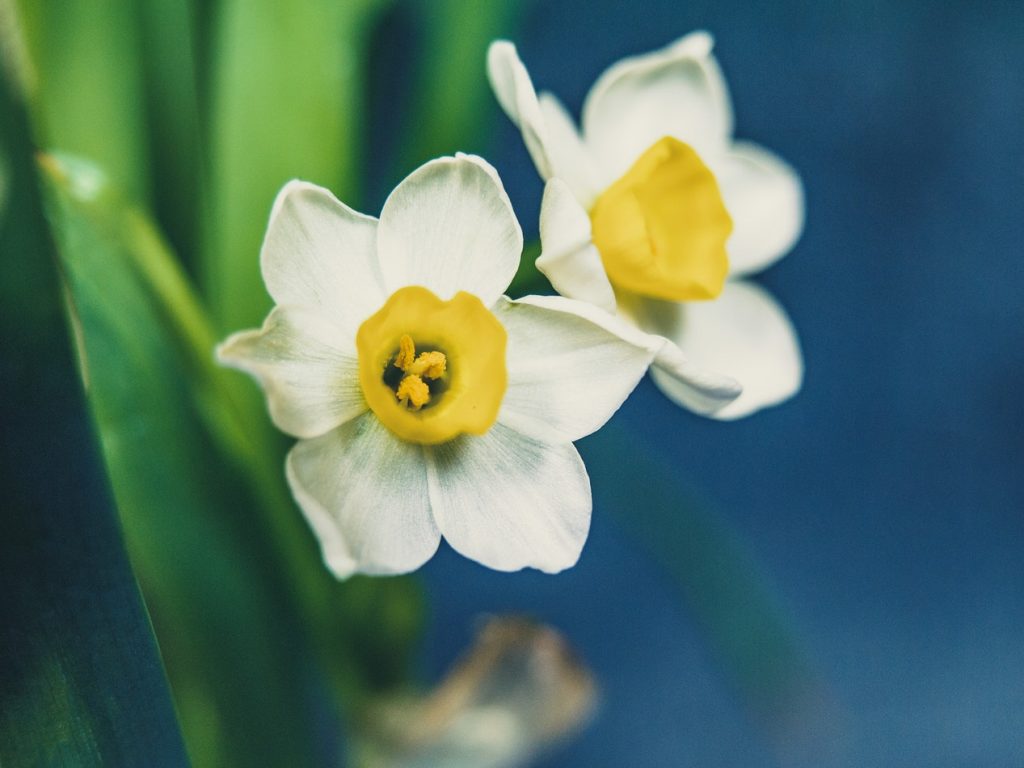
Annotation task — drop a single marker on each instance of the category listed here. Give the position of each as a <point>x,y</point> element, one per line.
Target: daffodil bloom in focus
<point>425,402</point>
<point>655,212</point>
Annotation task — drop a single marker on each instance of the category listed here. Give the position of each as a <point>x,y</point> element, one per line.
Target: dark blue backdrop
<point>884,504</point>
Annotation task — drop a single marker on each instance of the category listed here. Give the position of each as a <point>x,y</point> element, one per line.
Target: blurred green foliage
<point>170,36</point>
<point>232,575</point>
<point>190,520</point>
<point>451,102</point>
<point>171,124</point>
<point>89,89</point>
<point>286,102</point>
<point>80,677</point>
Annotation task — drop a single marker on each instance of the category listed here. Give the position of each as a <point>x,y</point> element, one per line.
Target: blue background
<point>882,508</point>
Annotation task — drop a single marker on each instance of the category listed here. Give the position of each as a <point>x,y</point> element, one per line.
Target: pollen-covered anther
<point>429,364</point>
<point>413,392</point>
<point>406,352</point>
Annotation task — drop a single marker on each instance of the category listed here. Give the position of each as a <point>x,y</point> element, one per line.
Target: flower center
<point>420,377</point>
<point>661,228</point>
<point>453,385</point>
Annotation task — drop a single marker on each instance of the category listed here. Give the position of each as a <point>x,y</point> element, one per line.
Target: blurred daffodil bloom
<point>653,211</point>
<point>426,403</point>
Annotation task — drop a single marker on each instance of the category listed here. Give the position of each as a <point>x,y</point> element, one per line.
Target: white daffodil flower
<point>426,403</point>
<point>655,211</point>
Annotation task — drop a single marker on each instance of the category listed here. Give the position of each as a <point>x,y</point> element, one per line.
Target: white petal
<point>515,92</point>
<point>569,258</point>
<point>364,493</point>
<point>449,226</point>
<point>705,390</point>
<point>692,385</point>
<point>766,201</point>
<point>309,373</point>
<point>550,135</point>
<point>570,159</point>
<point>511,502</point>
<point>319,253</point>
<point>566,374</point>
<point>746,334</point>
<point>678,91</point>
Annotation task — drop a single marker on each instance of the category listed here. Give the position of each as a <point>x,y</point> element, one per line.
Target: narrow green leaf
<point>453,105</point>
<point>744,624</point>
<point>286,103</point>
<point>363,631</point>
<point>236,652</point>
<point>5,182</point>
<point>168,31</point>
<point>89,93</point>
<point>80,678</point>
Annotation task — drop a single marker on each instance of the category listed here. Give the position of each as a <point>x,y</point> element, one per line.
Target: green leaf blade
<point>452,101</point>
<point>90,94</point>
<point>81,681</point>
<point>237,654</point>
<point>286,103</point>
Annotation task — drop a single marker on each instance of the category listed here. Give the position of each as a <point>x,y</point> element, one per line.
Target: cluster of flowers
<point>427,403</point>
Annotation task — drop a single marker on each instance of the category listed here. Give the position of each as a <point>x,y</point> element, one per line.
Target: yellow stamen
<point>406,352</point>
<point>429,364</point>
<point>661,228</point>
<point>413,392</point>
